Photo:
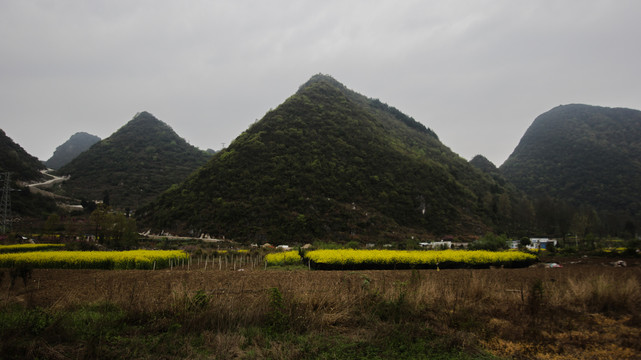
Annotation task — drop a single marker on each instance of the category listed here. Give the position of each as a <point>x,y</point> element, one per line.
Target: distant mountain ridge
<point>330,163</point>
<point>133,165</point>
<point>587,155</point>
<point>71,148</point>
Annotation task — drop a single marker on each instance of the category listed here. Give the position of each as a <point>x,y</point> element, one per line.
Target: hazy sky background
<point>476,72</point>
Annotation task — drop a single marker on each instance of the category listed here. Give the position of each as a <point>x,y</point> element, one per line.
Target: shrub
<point>490,242</point>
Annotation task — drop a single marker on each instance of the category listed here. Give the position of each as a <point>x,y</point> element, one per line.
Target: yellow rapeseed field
<point>28,247</point>
<point>414,259</point>
<point>283,258</point>
<point>135,259</point>
<point>239,251</point>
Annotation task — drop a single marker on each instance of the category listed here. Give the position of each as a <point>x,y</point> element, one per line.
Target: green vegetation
<point>490,242</point>
<point>482,163</point>
<point>105,330</point>
<point>133,165</point>
<point>113,229</point>
<point>332,164</point>
<point>14,159</point>
<point>77,143</point>
<point>582,164</point>
<point>22,168</point>
<point>18,248</point>
<point>26,206</point>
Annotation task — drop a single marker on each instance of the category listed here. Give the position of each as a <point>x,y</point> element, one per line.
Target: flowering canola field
<point>398,259</point>
<point>283,258</point>
<point>29,247</point>
<point>134,259</point>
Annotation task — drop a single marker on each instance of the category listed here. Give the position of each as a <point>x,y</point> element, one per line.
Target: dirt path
<point>39,188</point>
<point>49,183</point>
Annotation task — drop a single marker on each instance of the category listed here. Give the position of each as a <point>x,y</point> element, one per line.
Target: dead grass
<point>573,312</point>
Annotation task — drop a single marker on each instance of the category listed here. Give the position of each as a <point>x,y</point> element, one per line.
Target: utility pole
<point>5,203</point>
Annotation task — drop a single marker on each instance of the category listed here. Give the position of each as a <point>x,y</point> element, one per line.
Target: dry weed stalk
<point>501,307</point>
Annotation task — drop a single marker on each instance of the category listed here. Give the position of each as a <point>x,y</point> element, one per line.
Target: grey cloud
<point>477,73</point>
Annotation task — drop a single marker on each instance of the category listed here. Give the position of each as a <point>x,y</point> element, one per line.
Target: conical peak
<point>145,118</point>
<point>321,78</point>
<point>81,134</point>
<point>144,115</point>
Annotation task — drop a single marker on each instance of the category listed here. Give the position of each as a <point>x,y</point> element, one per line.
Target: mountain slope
<point>482,163</point>
<point>14,159</point>
<point>328,163</point>
<point>23,168</point>
<point>71,148</point>
<point>582,154</point>
<point>133,165</point>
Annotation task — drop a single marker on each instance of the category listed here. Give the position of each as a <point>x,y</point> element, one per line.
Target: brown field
<point>585,310</point>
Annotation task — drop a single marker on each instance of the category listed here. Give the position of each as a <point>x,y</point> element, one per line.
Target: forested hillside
<point>482,163</point>
<point>71,148</point>
<point>14,159</point>
<point>331,163</point>
<point>22,168</point>
<point>587,156</point>
<point>133,165</point>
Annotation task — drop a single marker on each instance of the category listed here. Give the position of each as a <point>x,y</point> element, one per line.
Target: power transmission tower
<point>5,203</point>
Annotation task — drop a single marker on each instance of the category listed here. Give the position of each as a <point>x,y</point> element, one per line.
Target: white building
<point>436,244</point>
<point>540,243</point>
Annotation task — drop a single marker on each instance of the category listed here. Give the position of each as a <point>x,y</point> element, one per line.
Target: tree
<point>113,229</point>
<point>490,242</point>
<point>584,221</point>
<point>580,222</point>
<point>53,223</point>
<point>105,197</point>
<point>629,230</point>
<point>524,242</point>
<point>88,206</point>
<point>98,218</point>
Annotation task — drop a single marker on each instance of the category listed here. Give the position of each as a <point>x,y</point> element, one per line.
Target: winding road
<point>38,188</point>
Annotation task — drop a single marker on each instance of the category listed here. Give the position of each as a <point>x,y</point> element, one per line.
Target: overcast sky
<point>476,72</point>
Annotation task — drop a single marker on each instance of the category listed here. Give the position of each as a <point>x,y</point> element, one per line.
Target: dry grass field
<point>588,310</point>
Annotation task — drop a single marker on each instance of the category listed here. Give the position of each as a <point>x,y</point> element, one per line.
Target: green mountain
<point>71,148</point>
<point>482,163</point>
<point>133,165</point>
<point>585,155</point>
<point>14,159</point>
<point>23,168</point>
<point>330,163</point>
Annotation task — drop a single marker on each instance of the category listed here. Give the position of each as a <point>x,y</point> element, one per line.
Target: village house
<point>540,243</point>
<point>436,245</point>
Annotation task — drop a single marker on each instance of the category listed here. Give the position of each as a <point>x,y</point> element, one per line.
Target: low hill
<point>586,155</point>
<point>133,165</point>
<point>71,148</point>
<point>330,163</point>
<point>482,163</point>
<point>14,159</point>
<point>23,168</point>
